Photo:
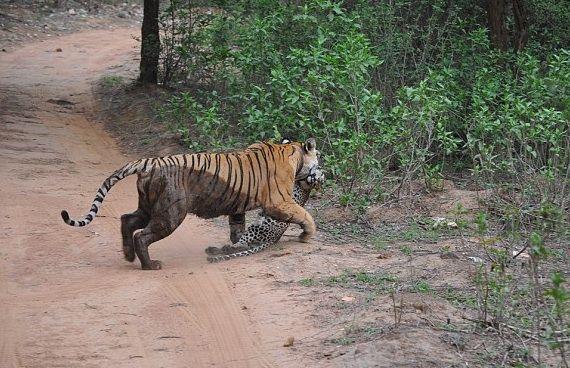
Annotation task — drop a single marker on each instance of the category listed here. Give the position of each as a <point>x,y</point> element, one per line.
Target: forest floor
<point>396,291</point>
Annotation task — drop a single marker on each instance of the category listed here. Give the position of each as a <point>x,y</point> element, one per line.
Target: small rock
<point>58,49</point>
<point>475,259</point>
<point>347,299</point>
<point>289,342</point>
<point>123,14</point>
<point>71,11</point>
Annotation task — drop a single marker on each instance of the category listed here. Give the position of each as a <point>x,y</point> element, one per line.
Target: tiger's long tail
<point>129,169</point>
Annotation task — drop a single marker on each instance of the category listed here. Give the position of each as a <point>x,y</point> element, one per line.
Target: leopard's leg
<point>255,234</point>
<point>237,226</point>
<point>256,238</point>
<point>130,222</point>
<point>291,212</point>
<point>239,253</point>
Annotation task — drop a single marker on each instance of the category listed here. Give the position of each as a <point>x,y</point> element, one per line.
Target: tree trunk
<point>521,24</point>
<point>496,13</point>
<point>150,43</point>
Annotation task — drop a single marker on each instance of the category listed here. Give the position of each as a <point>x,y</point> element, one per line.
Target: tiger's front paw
<point>305,237</point>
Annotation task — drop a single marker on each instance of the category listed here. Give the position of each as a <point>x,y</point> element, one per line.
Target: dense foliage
<point>413,86</point>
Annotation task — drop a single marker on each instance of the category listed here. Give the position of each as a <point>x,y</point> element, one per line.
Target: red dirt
<point>67,297</point>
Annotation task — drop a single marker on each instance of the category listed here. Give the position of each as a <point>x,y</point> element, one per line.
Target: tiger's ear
<point>285,140</point>
<point>310,145</point>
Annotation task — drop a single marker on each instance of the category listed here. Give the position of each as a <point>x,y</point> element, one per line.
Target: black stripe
<point>235,176</point>
<point>275,173</point>
<point>203,169</point>
<point>253,180</point>
<point>213,181</point>
<point>145,164</point>
<point>237,198</point>
<point>209,159</point>
<point>229,179</point>
<point>191,169</point>
<point>199,165</point>
<point>185,162</point>
<point>268,177</point>
<point>176,164</point>
<point>198,160</point>
<point>260,174</point>
<point>247,198</point>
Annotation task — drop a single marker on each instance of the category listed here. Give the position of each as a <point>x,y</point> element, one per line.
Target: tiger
<point>266,231</point>
<point>209,185</point>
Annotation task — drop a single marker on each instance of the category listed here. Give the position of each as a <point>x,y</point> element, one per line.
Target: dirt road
<point>67,297</point>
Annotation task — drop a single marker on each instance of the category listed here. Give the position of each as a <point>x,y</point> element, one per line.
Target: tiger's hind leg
<point>130,222</point>
<point>168,211</point>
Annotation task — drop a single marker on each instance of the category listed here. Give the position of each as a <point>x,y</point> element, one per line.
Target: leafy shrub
<point>414,86</point>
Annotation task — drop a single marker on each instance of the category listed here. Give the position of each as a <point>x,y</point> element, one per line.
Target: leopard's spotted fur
<point>266,231</point>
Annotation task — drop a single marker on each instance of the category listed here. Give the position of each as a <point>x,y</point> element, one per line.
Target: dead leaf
<point>347,299</point>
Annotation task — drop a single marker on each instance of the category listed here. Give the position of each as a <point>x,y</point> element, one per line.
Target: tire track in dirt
<point>67,298</point>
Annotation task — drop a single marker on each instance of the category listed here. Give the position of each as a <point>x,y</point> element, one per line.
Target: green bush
<point>414,86</point>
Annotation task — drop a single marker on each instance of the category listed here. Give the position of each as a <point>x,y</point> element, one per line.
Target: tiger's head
<point>308,168</point>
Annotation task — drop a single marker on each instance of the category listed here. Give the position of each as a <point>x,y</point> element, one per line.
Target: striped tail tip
<point>66,219</point>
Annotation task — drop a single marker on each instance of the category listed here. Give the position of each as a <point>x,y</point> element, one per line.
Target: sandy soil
<point>67,297</point>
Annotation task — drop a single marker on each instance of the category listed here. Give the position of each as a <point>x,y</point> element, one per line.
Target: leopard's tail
<point>241,253</point>
<point>129,169</point>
